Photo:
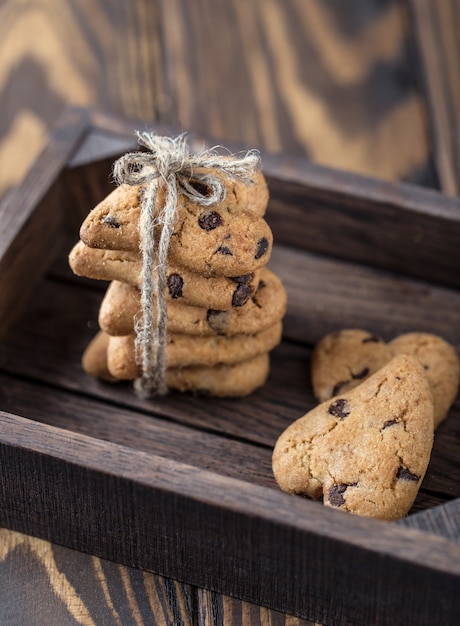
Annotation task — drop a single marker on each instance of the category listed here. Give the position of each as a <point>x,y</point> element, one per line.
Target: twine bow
<point>168,160</point>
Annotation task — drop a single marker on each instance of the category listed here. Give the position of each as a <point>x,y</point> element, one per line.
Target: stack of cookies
<point>224,307</point>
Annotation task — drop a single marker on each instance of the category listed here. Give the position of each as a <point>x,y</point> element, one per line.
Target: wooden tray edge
<point>23,215</point>
<point>146,511</point>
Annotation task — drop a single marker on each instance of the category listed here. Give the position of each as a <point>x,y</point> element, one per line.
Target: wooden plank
<point>403,229</point>
<point>32,209</point>
<point>310,79</point>
<point>52,477</point>
<point>325,295</point>
<point>443,520</point>
<point>215,608</point>
<point>436,27</point>
<point>41,73</point>
<point>313,79</point>
<point>63,587</point>
<point>99,419</point>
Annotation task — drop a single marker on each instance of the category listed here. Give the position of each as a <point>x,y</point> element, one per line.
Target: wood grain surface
<point>24,213</point>
<point>63,587</point>
<point>327,80</point>
<point>436,28</point>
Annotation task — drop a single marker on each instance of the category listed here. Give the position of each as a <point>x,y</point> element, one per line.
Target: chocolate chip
<point>261,284</point>
<point>244,279</point>
<point>389,423</point>
<point>339,408</point>
<point>262,247</point>
<point>210,220</point>
<point>225,251</point>
<point>175,285</point>
<point>335,494</point>
<point>362,374</point>
<point>111,221</point>
<point>404,474</point>
<point>241,295</point>
<point>372,339</point>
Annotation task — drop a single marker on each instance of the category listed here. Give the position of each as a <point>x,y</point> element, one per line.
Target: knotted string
<point>168,160</point>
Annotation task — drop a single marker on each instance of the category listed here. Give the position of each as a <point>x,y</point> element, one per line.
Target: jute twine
<point>168,160</point>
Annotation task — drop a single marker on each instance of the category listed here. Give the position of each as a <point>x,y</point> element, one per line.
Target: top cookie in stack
<point>224,307</point>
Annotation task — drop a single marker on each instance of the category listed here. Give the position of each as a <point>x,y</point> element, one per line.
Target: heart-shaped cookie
<point>365,451</point>
<point>441,365</point>
<point>344,359</point>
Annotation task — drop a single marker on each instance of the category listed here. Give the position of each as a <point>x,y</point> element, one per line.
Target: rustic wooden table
<point>370,88</point>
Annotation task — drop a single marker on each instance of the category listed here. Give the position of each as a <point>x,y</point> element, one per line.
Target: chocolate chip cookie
<point>114,222</point>
<point>364,451</point>
<point>232,380</point>
<point>343,359</point>
<point>121,307</point>
<point>185,350</point>
<point>219,293</point>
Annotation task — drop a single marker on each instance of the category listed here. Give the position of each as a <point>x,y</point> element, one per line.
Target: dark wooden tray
<point>182,486</point>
